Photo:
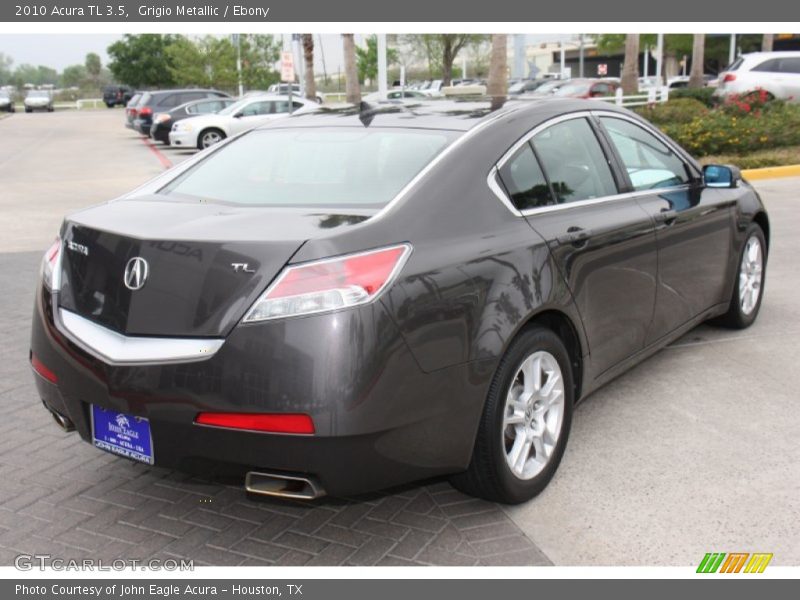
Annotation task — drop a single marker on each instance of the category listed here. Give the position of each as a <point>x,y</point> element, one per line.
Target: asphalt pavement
<point>695,450</point>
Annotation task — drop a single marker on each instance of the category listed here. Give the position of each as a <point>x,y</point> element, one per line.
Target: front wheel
<point>525,423</point>
<point>749,286</point>
<point>209,137</point>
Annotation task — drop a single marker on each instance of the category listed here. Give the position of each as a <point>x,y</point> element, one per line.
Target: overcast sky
<point>61,50</point>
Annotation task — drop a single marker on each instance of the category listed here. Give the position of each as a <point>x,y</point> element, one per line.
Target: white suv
<point>777,73</point>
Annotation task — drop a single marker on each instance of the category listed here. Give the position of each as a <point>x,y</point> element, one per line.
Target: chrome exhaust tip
<point>63,422</point>
<point>282,486</point>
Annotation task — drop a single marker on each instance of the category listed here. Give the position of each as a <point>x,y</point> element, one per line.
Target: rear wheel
<point>209,137</point>
<point>748,289</point>
<point>525,423</point>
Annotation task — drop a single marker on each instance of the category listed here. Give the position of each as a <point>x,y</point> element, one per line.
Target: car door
<point>790,74</point>
<point>603,241</point>
<point>252,115</point>
<point>693,223</point>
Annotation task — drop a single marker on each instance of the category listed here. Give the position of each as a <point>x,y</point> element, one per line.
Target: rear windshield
<point>313,167</point>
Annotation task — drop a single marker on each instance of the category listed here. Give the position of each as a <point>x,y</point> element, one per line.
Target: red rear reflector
<point>728,78</point>
<point>39,367</point>
<point>272,423</point>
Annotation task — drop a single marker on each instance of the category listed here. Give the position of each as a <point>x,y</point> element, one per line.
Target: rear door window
<point>574,161</point>
<point>791,65</point>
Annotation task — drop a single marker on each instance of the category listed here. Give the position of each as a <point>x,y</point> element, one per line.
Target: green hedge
<point>738,126</point>
<point>704,95</point>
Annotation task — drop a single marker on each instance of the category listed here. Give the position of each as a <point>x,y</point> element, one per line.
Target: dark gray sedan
<point>357,298</point>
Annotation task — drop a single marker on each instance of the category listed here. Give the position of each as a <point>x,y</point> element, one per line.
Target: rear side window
<point>336,167</point>
<point>525,180</point>
<point>574,161</point>
<point>649,162</point>
<point>772,65</point>
<point>735,64</point>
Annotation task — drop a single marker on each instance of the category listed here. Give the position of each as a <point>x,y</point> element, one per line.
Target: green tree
<point>6,62</point>
<point>93,65</point>
<point>441,50</point>
<point>142,60</point>
<point>206,62</point>
<point>73,76</point>
<point>259,54</point>
<point>367,59</point>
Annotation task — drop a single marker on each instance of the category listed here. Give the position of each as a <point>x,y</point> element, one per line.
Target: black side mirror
<point>238,115</point>
<point>721,176</point>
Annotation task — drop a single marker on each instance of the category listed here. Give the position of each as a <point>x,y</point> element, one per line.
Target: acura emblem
<point>136,273</point>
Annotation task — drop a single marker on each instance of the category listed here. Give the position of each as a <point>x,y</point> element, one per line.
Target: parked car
<point>345,301</point>
<point>6,102</point>
<point>526,86</point>
<point>131,109</point>
<point>206,130</point>
<point>548,88</point>
<point>164,100</point>
<point>38,100</point>
<point>587,88</point>
<point>163,122</point>
<point>777,73</point>
<point>396,95</point>
<point>117,95</point>
<point>283,89</point>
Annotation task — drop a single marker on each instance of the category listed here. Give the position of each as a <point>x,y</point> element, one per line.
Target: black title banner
<point>450,11</point>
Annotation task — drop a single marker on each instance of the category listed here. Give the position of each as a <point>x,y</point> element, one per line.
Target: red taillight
<point>50,265</point>
<point>146,111</point>
<point>271,423</point>
<point>42,370</point>
<point>729,77</point>
<point>132,112</point>
<point>329,284</point>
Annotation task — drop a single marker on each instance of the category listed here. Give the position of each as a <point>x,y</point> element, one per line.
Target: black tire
<point>110,104</point>
<point>201,139</point>
<point>736,318</point>
<point>488,475</point>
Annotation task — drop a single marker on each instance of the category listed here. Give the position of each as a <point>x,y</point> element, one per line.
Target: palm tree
<point>698,58</point>
<point>498,70</point>
<point>766,42</point>
<point>351,85</point>
<point>308,56</point>
<point>630,68</point>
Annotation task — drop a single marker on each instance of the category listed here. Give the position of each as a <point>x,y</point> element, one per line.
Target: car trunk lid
<point>204,264</point>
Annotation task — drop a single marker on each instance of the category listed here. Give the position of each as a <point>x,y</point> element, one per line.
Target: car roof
<point>456,115</point>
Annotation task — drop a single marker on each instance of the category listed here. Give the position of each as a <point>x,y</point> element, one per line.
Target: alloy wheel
<point>750,275</point>
<point>534,414</point>
<point>210,138</point>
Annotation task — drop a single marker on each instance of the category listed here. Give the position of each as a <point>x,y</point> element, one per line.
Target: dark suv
<point>117,95</point>
<point>164,100</point>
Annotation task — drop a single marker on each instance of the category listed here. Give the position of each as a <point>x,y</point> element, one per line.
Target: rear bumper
<point>379,419</point>
<point>160,133</point>
<point>142,126</point>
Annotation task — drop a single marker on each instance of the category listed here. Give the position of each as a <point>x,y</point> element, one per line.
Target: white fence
<point>80,104</point>
<point>653,96</point>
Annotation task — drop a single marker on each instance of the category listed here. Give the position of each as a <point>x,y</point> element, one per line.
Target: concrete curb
<point>771,172</point>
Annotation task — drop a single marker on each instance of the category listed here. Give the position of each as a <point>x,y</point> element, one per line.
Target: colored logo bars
<point>734,562</point>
